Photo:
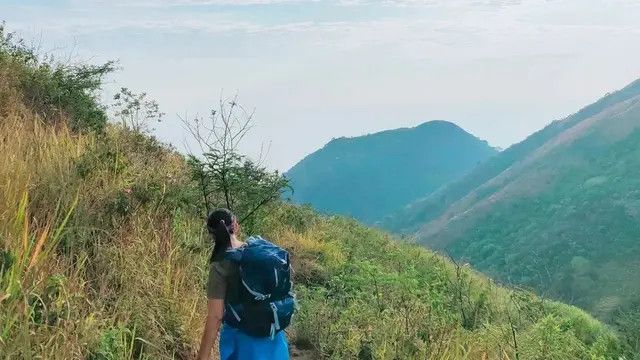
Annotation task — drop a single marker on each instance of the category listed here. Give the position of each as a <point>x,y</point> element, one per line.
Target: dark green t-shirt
<point>223,280</point>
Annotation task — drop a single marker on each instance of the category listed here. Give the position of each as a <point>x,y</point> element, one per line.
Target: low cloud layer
<point>321,69</point>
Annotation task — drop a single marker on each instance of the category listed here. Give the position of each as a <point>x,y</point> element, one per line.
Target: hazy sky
<point>321,69</point>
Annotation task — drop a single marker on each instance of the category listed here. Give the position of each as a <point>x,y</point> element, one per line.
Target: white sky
<point>315,70</point>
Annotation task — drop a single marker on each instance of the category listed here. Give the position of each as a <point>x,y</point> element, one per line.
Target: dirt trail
<point>301,354</point>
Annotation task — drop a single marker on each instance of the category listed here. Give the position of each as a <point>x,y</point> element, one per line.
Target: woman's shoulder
<point>221,266</point>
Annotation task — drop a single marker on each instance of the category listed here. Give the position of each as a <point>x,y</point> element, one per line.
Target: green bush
<point>116,343</point>
<point>627,321</point>
<point>55,91</point>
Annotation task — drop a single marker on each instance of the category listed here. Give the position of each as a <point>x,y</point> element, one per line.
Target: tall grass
<point>24,273</point>
<point>76,282</point>
<point>37,161</point>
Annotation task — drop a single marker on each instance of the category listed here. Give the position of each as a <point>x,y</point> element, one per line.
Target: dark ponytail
<point>220,224</point>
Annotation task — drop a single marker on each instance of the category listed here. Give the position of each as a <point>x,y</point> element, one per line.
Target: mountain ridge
<point>569,135</point>
<point>413,160</point>
<point>410,218</point>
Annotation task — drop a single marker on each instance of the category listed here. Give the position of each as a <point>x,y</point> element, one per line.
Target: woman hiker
<point>224,287</point>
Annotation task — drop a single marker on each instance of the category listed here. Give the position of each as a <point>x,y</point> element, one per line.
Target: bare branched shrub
<point>136,111</point>
<point>227,178</point>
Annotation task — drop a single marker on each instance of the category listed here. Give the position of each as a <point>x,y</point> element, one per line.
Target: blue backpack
<point>266,302</point>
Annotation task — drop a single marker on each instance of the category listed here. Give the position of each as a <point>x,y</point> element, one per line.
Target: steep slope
<point>562,217</point>
<point>370,176</point>
<point>416,214</point>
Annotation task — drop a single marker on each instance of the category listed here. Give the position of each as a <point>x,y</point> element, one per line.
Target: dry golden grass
<point>58,306</point>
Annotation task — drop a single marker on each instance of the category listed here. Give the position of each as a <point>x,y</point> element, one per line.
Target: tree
<point>227,178</point>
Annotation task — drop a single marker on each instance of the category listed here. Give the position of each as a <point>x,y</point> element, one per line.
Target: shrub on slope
<point>53,90</point>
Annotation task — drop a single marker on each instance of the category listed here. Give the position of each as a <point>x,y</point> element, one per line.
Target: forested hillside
<point>418,213</point>
<point>370,176</point>
<point>561,217</point>
<point>103,254</point>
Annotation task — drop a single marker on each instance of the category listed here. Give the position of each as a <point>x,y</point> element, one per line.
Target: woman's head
<point>221,224</point>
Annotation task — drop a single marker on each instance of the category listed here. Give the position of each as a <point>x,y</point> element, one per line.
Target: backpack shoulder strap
<point>235,255</point>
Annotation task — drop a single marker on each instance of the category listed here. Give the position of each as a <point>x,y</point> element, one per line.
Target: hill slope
<point>123,275</point>
<point>370,176</point>
<point>103,256</point>
<point>418,213</point>
<point>561,216</point>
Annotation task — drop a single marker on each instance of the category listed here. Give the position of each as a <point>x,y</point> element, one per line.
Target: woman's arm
<point>215,312</point>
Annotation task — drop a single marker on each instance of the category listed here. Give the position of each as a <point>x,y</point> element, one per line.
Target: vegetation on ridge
<point>421,211</point>
<point>371,176</point>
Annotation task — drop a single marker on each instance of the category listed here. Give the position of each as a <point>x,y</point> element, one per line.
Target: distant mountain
<point>368,177</point>
<point>559,211</point>
<point>415,215</point>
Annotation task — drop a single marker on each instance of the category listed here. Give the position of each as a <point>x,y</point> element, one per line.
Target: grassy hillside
<point>370,176</point>
<point>562,219</point>
<point>103,256</point>
<point>420,212</point>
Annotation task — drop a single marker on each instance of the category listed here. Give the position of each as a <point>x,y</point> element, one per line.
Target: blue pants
<point>236,345</point>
